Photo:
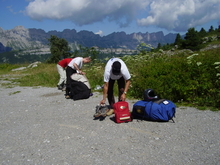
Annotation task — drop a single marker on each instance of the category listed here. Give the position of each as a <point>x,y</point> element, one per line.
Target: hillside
<point>20,38</point>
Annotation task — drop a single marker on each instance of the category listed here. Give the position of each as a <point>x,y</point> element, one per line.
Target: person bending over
<point>61,68</point>
<point>115,69</point>
<point>74,67</point>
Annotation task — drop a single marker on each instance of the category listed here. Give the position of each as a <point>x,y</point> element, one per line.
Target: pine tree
<point>202,32</point>
<point>178,40</point>
<point>211,29</point>
<point>59,49</point>
<point>192,40</point>
<point>159,46</point>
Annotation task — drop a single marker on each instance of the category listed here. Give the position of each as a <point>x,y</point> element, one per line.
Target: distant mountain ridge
<point>20,38</point>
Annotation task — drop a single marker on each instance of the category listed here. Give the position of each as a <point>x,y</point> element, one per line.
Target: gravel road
<point>39,126</point>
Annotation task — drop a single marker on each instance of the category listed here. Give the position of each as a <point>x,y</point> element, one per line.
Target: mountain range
<point>20,38</point>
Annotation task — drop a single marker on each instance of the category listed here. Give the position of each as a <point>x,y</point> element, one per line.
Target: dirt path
<point>38,126</point>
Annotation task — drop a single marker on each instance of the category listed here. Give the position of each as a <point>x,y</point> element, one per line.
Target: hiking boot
<point>110,112</point>
<point>67,97</point>
<point>97,111</point>
<point>64,88</point>
<point>101,111</point>
<point>60,87</point>
<point>104,110</point>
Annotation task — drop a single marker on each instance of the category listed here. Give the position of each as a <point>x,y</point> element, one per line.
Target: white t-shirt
<point>78,61</point>
<point>108,71</point>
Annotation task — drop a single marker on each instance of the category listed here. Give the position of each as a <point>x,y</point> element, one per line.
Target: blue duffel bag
<point>154,109</point>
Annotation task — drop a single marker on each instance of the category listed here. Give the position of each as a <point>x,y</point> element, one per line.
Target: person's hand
<point>102,102</point>
<point>81,72</point>
<point>123,97</point>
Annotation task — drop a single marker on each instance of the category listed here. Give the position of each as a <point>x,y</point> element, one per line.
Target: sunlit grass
<point>44,75</point>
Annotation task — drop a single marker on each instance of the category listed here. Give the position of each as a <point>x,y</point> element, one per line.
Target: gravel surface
<point>39,126</point>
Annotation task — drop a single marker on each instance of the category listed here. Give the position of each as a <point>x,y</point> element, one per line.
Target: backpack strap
<point>158,101</point>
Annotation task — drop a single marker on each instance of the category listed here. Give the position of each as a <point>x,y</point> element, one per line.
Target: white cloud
<point>83,12</point>
<point>176,15</point>
<point>181,15</point>
<point>100,33</point>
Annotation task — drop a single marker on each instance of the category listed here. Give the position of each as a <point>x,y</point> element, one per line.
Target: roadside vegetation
<point>179,72</point>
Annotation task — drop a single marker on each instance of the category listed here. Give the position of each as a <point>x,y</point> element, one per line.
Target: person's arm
<point>105,91</point>
<point>77,68</point>
<point>127,84</point>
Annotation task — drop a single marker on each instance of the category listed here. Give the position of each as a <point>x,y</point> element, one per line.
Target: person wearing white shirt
<point>74,66</point>
<point>115,69</point>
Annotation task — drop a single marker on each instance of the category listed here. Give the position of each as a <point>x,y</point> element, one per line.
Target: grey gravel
<point>39,126</point>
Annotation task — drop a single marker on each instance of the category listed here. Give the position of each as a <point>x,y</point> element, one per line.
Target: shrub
<point>95,74</point>
<point>191,78</point>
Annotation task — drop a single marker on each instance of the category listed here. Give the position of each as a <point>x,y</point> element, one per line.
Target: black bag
<point>79,90</point>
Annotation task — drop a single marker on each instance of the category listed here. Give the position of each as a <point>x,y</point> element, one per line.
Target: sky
<point>107,16</point>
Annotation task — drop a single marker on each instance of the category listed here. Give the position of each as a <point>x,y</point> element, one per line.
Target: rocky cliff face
<point>4,49</point>
<point>21,38</point>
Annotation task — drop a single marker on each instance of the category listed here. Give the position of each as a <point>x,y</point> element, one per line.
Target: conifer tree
<point>211,29</point>
<point>59,49</point>
<point>192,40</point>
<point>202,32</point>
<point>178,40</point>
<point>159,46</point>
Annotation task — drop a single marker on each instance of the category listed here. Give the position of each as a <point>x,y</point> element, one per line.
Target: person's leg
<point>69,72</point>
<point>64,80</point>
<point>62,74</point>
<point>111,98</point>
<point>121,87</point>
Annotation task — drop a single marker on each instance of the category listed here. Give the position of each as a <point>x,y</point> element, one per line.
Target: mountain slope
<point>21,38</point>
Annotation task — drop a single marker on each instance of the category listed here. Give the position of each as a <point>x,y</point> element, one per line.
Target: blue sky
<point>107,16</point>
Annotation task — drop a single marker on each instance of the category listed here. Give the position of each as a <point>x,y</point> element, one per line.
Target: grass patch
<point>44,75</point>
<point>6,68</point>
<point>12,93</point>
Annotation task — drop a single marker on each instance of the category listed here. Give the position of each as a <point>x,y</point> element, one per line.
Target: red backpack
<point>122,113</point>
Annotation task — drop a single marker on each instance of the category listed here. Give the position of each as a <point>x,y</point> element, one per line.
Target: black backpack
<point>79,90</point>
